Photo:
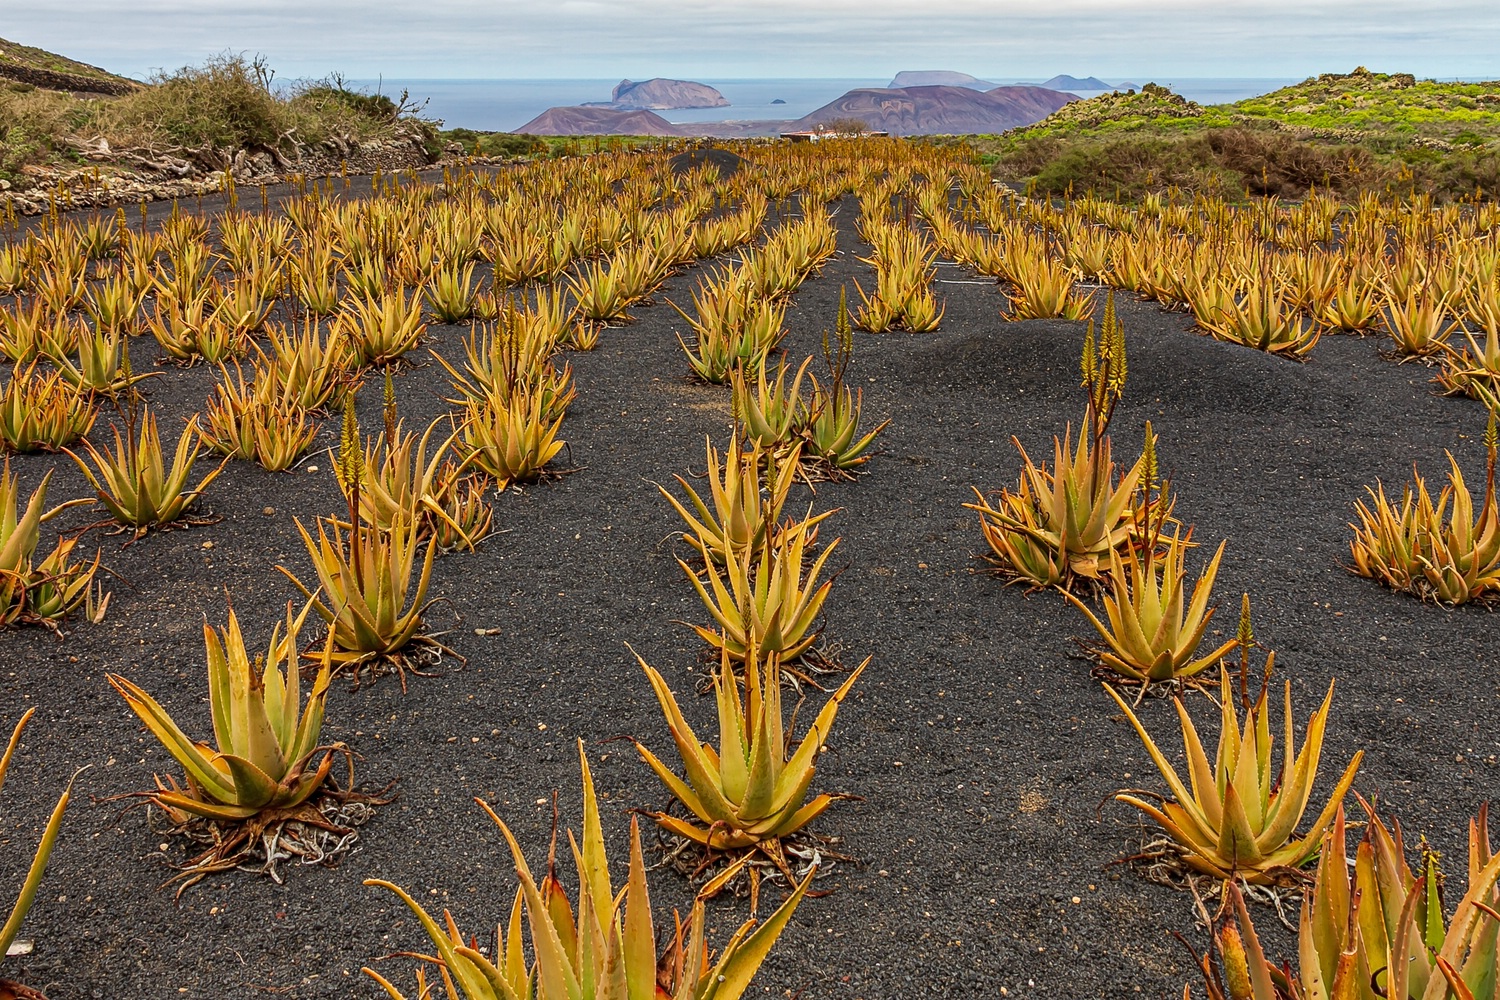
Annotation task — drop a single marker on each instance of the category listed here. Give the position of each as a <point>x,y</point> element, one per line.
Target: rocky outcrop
<point>938,78</point>
<point>1152,102</point>
<point>939,110</point>
<point>598,121</point>
<point>660,94</point>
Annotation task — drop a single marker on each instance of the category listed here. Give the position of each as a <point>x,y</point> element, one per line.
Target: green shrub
<point>227,102</point>
<point>510,144</point>
<point>331,93</point>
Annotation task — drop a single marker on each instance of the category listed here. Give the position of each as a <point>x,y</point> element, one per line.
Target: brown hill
<point>940,110</point>
<point>597,121</point>
<point>660,94</point>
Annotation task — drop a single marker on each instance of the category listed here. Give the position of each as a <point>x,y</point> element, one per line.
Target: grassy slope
<point>14,54</point>
<point>1345,131</point>
<point>1382,103</point>
<point>1378,104</point>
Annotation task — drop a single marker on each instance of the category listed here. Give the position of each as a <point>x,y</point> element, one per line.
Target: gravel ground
<point>981,749</point>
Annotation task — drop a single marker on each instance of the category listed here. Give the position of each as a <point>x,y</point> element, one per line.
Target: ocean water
<point>506,105</point>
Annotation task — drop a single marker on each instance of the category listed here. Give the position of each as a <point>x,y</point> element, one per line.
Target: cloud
<point>780,38</point>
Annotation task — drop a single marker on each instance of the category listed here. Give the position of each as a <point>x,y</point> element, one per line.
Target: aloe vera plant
<point>134,482</point>
<point>741,511</point>
<point>1063,522</point>
<point>266,753</point>
<point>746,793</point>
<point>831,423</point>
<point>765,600</point>
<point>1379,932</point>
<point>1237,818</point>
<point>1442,549</point>
<point>511,439</point>
<point>604,947</point>
<point>31,589</point>
<point>370,591</point>
<point>1152,632</point>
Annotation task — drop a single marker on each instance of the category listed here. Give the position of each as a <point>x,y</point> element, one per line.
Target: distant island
<point>660,94</point>
<point>1065,82</point>
<point>900,111</point>
<point>940,110</point>
<point>938,78</point>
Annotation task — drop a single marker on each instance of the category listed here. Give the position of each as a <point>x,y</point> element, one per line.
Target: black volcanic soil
<point>980,746</point>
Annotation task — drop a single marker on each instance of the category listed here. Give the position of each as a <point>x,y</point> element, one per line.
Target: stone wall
<point>50,80</point>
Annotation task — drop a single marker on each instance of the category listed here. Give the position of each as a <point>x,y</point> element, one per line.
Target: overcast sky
<point>719,39</point>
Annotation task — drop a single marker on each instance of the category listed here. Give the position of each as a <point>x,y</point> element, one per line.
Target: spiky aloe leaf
<point>33,881</point>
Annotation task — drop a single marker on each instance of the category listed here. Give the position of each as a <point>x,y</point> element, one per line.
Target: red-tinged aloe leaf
<point>384,983</point>
<point>15,741</point>
<point>639,941</point>
<point>1260,969</point>
<point>743,955</point>
<point>445,948</point>
<point>182,749</point>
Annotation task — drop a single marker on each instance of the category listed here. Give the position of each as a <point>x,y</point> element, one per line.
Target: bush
<point>510,144</point>
<point>227,102</point>
<point>1236,161</point>
<point>507,144</point>
<point>331,93</point>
